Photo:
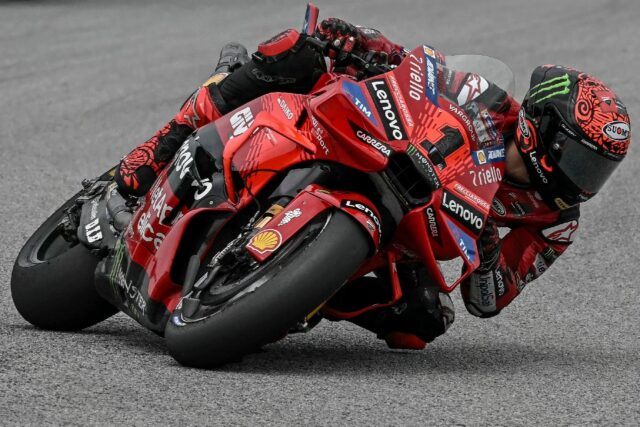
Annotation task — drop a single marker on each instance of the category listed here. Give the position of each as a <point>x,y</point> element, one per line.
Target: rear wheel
<point>255,304</point>
<point>52,283</point>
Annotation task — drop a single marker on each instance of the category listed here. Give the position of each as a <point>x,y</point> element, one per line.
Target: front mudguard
<point>310,202</point>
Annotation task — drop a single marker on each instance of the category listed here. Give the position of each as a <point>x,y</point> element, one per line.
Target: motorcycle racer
<point>561,145</point>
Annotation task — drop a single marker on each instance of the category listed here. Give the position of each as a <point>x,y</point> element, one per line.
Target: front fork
<point>298,200</point>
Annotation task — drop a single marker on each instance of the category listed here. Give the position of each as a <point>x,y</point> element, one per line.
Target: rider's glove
<point>350,37</point>
<point>483,290</point>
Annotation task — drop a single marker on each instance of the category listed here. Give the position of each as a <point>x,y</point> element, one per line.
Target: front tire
<point>289,289</point>
<point>52,283</point>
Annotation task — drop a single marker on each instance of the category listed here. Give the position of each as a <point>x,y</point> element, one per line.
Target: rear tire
<point>295,285</point>
<point>52,283</point>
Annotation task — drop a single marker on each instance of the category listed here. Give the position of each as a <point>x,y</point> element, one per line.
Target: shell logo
<point>482,159</point>
<point>266,241</point>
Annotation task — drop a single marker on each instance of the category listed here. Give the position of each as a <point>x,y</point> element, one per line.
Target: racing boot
<point>232,56</point>
<point>139,169</point>
<point>420,316</point>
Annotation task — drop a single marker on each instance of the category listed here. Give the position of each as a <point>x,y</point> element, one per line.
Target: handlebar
<point>365,64</point>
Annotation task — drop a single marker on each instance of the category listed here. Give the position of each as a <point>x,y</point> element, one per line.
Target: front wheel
<point>302,275</point>
<point>52,283</point>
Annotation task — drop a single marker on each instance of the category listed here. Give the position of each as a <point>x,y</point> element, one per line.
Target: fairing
<point>402,117</point>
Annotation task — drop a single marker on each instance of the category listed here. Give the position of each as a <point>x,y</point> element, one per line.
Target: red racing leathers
<point>537,236</point>
<point>138,170</point>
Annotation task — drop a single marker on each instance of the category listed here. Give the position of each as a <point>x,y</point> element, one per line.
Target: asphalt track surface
<point>82,82</point>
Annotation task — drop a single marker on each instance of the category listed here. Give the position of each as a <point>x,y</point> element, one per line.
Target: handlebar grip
<point>324,46</point>
<point>317,43</point>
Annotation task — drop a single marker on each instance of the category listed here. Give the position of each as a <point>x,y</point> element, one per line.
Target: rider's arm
<point>520,257</point>
<point>467,89</point>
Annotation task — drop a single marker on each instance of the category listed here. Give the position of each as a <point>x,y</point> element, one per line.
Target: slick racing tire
<point>52,283</point>
<point>297,279</point>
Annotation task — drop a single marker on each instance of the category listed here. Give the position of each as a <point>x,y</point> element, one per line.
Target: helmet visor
<point>585,167</point>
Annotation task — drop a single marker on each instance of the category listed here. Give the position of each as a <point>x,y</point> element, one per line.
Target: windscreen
<point>492,69</point>
<point>483,87</point>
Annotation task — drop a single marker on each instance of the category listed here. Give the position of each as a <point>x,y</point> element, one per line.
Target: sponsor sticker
<point>471,195</point>
<point>617,131</point>
<point>485,285</point>
<point>241,121</point>
<point>425,166</point>
<point>431,84</point>
<point>536,165</point>
<point>522,124</point>
<point>318,133</point>
<point>540,264</point>
<point>183,159</point>
<point>354,91</point>
<point>520,284</point>
<point>549,255</point>
<point>159,204</point>
<point>434,229</point>
<point>428,51</point>
<point>266,241</point>
<point>562,233</point>
<point>94,209</point>
<point>397,93</point>
<point>387,110</point>
<point>370,140</point>
<point>289,215</point>
<point>519,209</point>
<point>501,289</point>
<point>92,231</point>
<point>465,119</point>
<point>550,88</point>
<point>498,207</point>
<point>285,108</point>
<point>485,176</point>
<point>488,155</point>
<point>354,204</point>
<point>190,105</point>
<point>474,86</point>
<point>463,212</point>
<point>416,77</point>
<point>490,131</point>
<point>561,203</point>
<point>466,243</point>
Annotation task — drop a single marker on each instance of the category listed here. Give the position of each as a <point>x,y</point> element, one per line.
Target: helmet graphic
<point>572,133</point>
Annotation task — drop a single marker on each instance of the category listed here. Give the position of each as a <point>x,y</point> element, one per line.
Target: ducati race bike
<point>263,215</point>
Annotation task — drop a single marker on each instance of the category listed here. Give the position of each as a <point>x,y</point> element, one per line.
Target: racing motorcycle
<point>263,215</point>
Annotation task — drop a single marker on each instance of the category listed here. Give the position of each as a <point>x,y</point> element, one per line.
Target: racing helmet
<point>572,133</point>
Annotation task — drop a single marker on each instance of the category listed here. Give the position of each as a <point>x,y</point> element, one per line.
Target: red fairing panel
<point>304,207</point>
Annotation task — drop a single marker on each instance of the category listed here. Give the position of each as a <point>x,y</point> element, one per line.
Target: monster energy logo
<point>550,88</point>
<point>135,300</point>
<point>115,268</point>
